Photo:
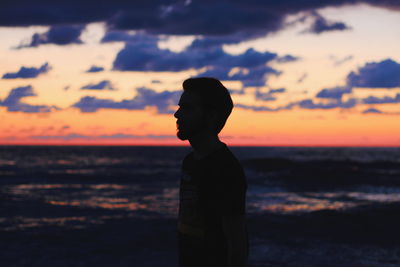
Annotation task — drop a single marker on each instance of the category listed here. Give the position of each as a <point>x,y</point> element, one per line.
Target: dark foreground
<point>117,207</point>
<point>365,236</point>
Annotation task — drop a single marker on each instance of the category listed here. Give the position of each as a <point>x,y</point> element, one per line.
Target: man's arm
<point>234,228</point>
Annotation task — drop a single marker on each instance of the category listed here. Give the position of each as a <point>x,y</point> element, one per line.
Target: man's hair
<point>213,95</point>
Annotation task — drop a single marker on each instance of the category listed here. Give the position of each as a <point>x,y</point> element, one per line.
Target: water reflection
<point>21,223</point>
<point>105,203</point>
<point>293,202</point>
<point>98,200</point>
<point>163,201</point>
<point>73,222</point>
<point>95,200</point>
<point>7,162</point>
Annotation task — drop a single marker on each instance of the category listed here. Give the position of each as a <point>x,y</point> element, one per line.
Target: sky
<point>300,72</point>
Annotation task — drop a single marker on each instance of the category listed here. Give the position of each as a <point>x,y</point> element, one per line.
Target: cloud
<point>384,74</point>
<point>95,69</point>
<point>145,97</point>
<point>241,91</point>
<point>320,25</point>
<point>103,85</point>
<point>249,77</point>
<point>201,18</point>
<point>13,101</point>
<point>263,108</point>
<point>335,93</point>
<point>309,104</point>
<point>147,56</point>
<point>287,58</point>
<point>210,41</point>
<point>279,90</point>
<point>382,100</point>
<point>58,35</point>
<point>130,37</point>
<point>268,96</point>
<point>247,18</point>
<point>372,110</point>
<point>72,136</point>
<point>27,72</point>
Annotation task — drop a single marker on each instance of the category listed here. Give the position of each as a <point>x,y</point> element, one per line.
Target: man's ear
<point>213,117</point>
<point>212,114</point>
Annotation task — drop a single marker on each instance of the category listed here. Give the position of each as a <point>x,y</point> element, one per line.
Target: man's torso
<point>202,188</point>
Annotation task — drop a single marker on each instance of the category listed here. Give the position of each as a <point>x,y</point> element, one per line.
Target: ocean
<point>117,206</point>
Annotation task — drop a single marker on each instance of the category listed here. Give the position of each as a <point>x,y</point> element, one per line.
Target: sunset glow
<point>327,75</point>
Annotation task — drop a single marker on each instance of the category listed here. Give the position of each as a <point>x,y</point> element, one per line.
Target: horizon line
<point>187,145</point>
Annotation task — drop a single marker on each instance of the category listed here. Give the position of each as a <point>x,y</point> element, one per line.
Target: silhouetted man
<point>212,230</point>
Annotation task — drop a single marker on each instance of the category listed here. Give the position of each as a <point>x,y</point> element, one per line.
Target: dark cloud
<point>58,35</point>
<point>212,18</point>
<point>95,69</point>
<point>320,25</point>
<point>241,91</point>
<point>103,85</point>
<point>382,100</point>
<point>210,41</point>
<point>287,58</point>
<point>72,136</point>
<point>142,53</point>
<point>138,56</point>
<point>145,97</point>
<point>147,56</point>
<point>213,41</point>
<point>201,18</point>
<point>130,37</point>
<point>249,77</point>
<point>384,74</point>
<point>269,95</point>
<point>279,90</point>
<point>372,110</point>
<point>13,101</point>
<point>335,93</point>
<point>309,104</point>
<point>27,72</point>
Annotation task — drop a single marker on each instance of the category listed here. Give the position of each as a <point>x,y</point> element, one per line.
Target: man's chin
<point>182,136</point>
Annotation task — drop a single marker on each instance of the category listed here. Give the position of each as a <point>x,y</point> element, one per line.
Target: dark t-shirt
<point>209,188</point>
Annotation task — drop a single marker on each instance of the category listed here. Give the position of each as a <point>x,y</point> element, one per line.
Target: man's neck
<point>204,144</point>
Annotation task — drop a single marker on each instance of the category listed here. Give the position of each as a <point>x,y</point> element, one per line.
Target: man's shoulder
<point>220,161</point>
<point>227,159</point>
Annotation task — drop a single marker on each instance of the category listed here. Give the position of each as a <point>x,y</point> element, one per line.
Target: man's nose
<point>176,113</point>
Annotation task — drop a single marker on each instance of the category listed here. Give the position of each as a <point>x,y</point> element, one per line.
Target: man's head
<point>205,105</point>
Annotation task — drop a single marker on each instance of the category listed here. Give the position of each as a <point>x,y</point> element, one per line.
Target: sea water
<point>48,189</point>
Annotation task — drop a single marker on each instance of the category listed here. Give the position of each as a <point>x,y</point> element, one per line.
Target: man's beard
<point>185,134</point>
<point>181,135</point>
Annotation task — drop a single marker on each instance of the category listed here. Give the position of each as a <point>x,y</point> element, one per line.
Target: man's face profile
<point>190,116</point>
